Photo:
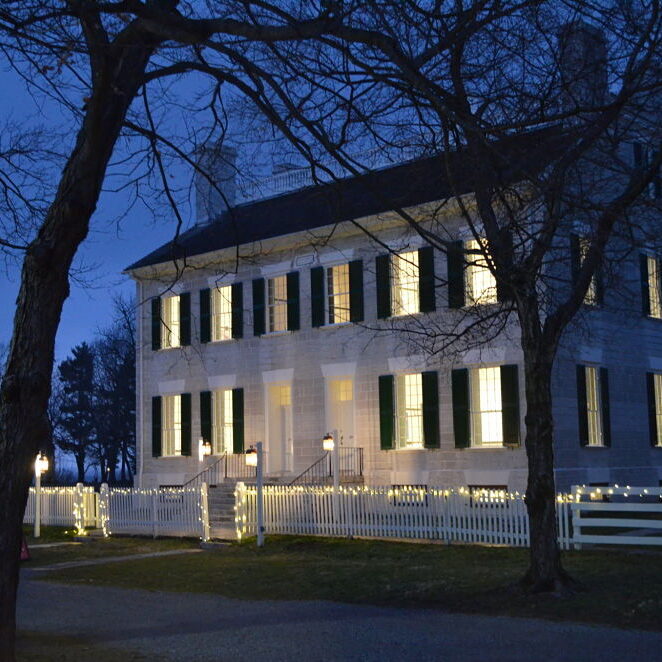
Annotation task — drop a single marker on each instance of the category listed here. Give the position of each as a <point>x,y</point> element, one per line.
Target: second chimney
<point>212,198</point>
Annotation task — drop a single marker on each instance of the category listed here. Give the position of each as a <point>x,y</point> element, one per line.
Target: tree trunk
<point>80,466</point>
<point>25,388</point>
<point>545,572</point>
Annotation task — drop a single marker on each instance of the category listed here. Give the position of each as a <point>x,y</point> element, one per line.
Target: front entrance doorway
<point>279,429</point>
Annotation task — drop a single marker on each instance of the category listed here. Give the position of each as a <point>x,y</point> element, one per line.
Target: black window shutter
<point>383,275</point>
<point>461,422</point>
<point>426,302</point>
<point>386,427</point>
<point>258,306</point>
<point>156,323</point>
<point>317,296</point>
<point>430,385</point>
<point>604,402</point>
<point>654,435</point>
<point>237,293</point>
<point>237,420</point>
<point>206,416</point>
<point>645,290</point>
<point>185,318</point>
<point>205,315</point>
<point>582,405</point>
<point>356,291</point>
<point>293,313</point>
<point>599,285</point>
<point>575,257</point>
<point>186,423</point>
<point>455,267</point>
<point>156,426</point>
<point>510,417</point>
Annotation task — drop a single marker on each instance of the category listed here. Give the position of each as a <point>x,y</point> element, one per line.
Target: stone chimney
<point>218,164</point>
<point>583,64</point>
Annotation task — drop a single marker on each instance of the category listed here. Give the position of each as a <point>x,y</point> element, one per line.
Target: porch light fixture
<point>204,449</point>
<point>251,457</point>
<point>327,442</point>
<point>40,467</point>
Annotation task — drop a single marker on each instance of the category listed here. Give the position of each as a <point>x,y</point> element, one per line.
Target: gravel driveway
<point>186,626</point>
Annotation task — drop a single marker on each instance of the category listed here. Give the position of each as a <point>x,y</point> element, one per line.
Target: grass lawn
<point>97,548</point>
<point>623,589</point>
<point>36,647</point>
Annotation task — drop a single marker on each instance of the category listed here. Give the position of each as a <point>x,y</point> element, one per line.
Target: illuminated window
<point>657,381</point>
<point>221,308</point>
<point>593,406</point>
<point>486,407</point>
<point>654,291</point>
<point>409,411</point>
<point>591,296</point>
<point>481,284</point>
<point>170,322</point>
<point>222,422</point>
<point>277,303</point>
<point>337,284</point>
<point>405,299</point>
<point>171,439</point>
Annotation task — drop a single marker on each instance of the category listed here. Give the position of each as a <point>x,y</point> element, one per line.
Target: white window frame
<point>594,406</point>
<point>171,429</point>
<point>481,285</point>
<point>486,407</point>
<point>405,278</point>
<point>337,300</point>
<point>276,304</point>
<point>409,433</point>
<point>222,421</point>
<point>170,322</point>
<point>221,313</point>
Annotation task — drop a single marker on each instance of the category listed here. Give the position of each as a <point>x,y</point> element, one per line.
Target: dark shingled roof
<point>397,187</point>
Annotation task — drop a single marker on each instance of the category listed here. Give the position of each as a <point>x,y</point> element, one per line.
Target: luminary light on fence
<point>251,457</point>
<point>327,442</point>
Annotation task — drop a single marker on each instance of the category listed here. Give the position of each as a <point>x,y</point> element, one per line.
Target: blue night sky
<point>114,242</point>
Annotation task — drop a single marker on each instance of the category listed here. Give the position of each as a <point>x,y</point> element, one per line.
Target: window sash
<point>481,284</point>
<point>486,407</point>
<point>654,293</point>
<point>657,382</point>
<point>222,422</point>
<point>405,277</point>
<point>277,303</point>
<point>221,307</point>
<point>170,323</point>
<point>593,407</point>
<point>337,284</point>
<point>171,431</point>
<point>409,411</point>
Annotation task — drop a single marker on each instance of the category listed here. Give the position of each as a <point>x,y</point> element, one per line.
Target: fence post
<point>104,509</point>
<point>204,512</point>
<point>576,516</point>
<point>239,496</point>
<point>79,509</point>
<point>155,525</point>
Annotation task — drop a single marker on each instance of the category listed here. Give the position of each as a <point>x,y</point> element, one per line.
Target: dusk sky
<point>114,242</point>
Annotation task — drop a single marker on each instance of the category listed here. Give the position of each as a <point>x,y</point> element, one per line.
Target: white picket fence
<point>497,518</point>
<point>156,512</point>
<point>64,506</point>
<point>617,515</point>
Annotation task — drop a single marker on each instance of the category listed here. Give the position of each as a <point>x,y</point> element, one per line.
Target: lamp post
<point>40,467</point>
<point>330,446</point>
<point>255,458</point>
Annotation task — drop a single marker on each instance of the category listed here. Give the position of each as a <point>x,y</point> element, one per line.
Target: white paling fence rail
<point>177,511</point>
<point>493,517</point>
<point>617,515</point>
<point>64,506</point>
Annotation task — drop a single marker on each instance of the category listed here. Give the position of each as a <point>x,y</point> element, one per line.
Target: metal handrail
<point>196,479</point>
<point>312,469</point>
<point>350,463</point>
